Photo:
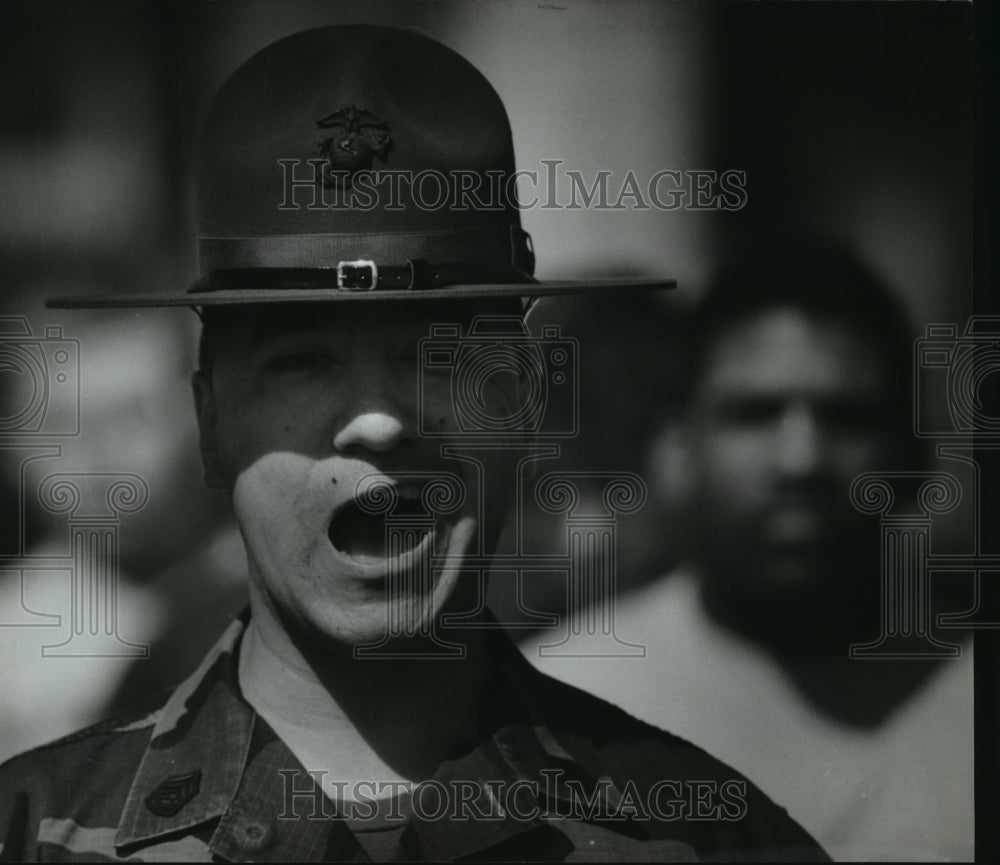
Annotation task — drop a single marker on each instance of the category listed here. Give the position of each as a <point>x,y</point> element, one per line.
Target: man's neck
<point>811,646</point>
<point>366,720</point>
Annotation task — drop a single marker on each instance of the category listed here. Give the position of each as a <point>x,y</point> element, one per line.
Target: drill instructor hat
<point>351,163</point>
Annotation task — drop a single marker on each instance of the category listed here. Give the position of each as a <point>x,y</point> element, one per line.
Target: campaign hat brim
<point>243,297</point>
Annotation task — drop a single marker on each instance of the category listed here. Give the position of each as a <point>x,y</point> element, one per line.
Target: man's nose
<point>377,415</point>
<point>800,446</point>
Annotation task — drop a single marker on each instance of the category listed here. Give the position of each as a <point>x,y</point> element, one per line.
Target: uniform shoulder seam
<point>141,716</point>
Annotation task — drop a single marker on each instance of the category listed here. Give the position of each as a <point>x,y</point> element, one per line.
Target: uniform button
<point>255,836</point>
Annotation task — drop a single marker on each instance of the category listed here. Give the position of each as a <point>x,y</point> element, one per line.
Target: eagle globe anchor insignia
<point>357,137</point>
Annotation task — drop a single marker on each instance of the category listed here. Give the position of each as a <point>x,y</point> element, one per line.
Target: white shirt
<point>902,790</point>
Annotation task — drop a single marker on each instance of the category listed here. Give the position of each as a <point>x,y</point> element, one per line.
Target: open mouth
<point>377,537</point>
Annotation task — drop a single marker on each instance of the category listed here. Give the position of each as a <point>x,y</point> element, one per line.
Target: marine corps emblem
<point>356,137</point>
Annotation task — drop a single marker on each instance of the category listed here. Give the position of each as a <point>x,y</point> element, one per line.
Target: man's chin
<point>407,631</point>
<point>773,571</point>
<point>343,603</point>
<point>793,597</point>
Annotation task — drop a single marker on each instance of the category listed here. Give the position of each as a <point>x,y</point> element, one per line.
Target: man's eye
<point>748,412</point>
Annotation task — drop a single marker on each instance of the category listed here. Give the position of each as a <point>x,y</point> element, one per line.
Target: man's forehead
<point>784,347</point>
<point>392,319</point>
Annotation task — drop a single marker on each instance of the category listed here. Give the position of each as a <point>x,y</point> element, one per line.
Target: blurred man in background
<point>800,381</point>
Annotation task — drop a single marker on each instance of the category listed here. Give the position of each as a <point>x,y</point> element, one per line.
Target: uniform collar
<point>192,767</point>
<point>192,770</point>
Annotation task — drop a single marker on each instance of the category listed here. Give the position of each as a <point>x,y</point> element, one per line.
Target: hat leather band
<point>360,275</point>
<point>504,246</point>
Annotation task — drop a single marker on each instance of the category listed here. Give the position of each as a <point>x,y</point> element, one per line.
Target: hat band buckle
<point>360,275</point>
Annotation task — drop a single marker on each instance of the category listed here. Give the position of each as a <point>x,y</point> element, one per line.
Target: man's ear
<point>670,460</point>
<point>207,411</point>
